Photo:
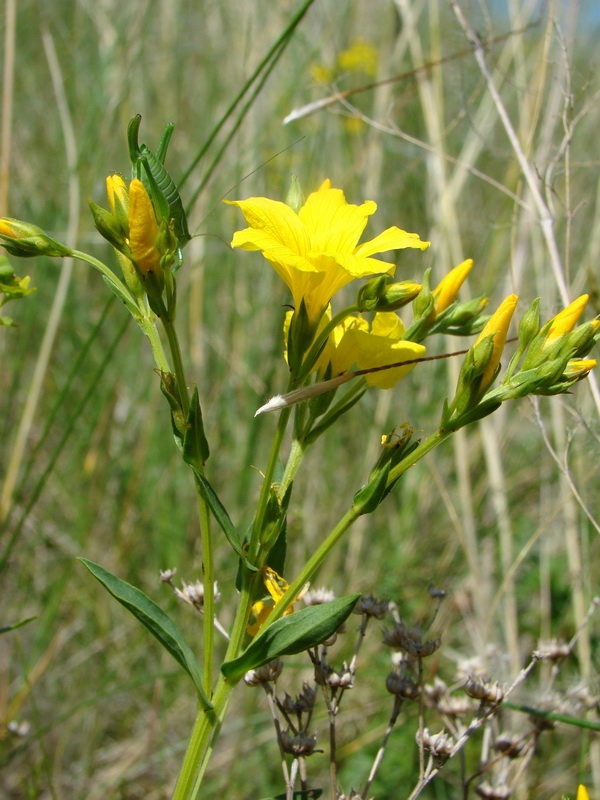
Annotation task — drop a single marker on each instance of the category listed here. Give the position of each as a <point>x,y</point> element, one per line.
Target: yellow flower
<point>352,342</point>
<point>143,229</point>
<point>446,291</point>
<point>277,587</point>
<point>582,793</point>
<point>497,325</point>
<point>565,321</point>
<point>361,56</point>
<point>316,251</point>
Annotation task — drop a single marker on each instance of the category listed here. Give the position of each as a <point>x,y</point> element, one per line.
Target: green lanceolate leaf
<point>195,447</point>
<point>292,634</point>
<point>220,514</point>
<point>154,620</point>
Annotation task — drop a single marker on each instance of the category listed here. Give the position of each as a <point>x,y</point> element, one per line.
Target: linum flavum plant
<point>314,246</point>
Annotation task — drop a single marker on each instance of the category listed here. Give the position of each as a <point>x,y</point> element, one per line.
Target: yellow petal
<point>116,188</point>
<point>335,226</point>
<point>276,220</point>
<point>391,239</point>
<point>6,230</point>
<point>582,793</point>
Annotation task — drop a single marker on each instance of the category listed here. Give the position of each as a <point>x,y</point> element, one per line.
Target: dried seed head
<point>307,698</point>
<point>510,744</point>
<point>371,607</point>
<point>167,575</point>
<point>553,650</point>
<point>18,728</point>
<point>301,745</point>
<point>193,593</point>
<point>454,706</point>
<point>410,641</point>
<point>341,679</point>
<point>316,597</point>
<point>484,690</point>
<point>268,672</point>
<point>438,744</point>
<point>499,792</point>
<point>433,692</point>
<point>402,686</point>
<point>322,673</point>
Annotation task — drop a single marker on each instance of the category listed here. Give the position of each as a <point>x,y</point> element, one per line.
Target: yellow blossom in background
<point>320,73</point>
<point>447,290</point>
<point>316,251</point>
<point>361,56</point>
<point>582,793</point>
<point>497,326</point>
<point>143,229</point>
<point>354,125</point>
<point>579,367</point>
<point>565,321</point>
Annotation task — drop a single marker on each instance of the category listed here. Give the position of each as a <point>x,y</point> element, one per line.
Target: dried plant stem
<point>289,786</point>
<point>380,753</point>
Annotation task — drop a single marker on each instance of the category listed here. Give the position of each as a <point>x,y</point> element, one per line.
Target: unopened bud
<point>530,324</point>
<point>26,240</point>
<point>295,195</point>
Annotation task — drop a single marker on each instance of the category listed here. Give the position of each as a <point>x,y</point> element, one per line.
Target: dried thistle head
<point>439,745</point>
<point>265,674</point>
<point>370,607</point>
<point>302,744</point>
<point>486,691</point>
<point>410,640</point>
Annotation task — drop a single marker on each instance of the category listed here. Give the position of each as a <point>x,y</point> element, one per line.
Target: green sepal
<point>220,514</point>
<point>292,634</point>
<point>168,386</point>
<point>370,496</point>
<point>195,450</point>
<point>154,619</point>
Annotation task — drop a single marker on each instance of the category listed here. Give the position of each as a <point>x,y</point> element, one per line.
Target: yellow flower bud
<point>582,793</point>
<point>143,229</point>
<point>565,321</point>
<point>447,290</point>
<point>497,326</point>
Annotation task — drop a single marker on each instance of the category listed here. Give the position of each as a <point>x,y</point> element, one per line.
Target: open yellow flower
<point>316,251</point>
<point>354,342</point>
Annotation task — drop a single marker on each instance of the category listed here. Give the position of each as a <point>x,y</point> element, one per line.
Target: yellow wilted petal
<point>447,290</point>
<point>566,320</point>
<point>497,326</point>
<point>143,229</point>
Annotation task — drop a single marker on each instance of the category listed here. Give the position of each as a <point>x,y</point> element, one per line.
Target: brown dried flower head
<point>510,744</point>
<point>484,690</point>
<point>440,744</point>
<point>410,641</point>
<point>499,792</point>
<point>402,685</point>
<point>371,607</point>
<point>302,744</point>
<point>265,674</point>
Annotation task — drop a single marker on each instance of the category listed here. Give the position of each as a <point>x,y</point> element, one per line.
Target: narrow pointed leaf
<point>292,634</point>
<point>15,625</point>
<point>220,514</point>
<point>154,619</point>
<point>195,447</point>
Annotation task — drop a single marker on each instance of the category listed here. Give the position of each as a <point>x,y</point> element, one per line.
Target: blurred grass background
<point>492,517</point>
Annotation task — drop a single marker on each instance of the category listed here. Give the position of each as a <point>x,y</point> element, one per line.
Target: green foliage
<point>292,634</point>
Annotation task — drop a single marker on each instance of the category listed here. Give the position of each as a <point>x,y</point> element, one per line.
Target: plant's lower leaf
<point>195,447</point>
<point>292,634</point>
<point>154,620</point>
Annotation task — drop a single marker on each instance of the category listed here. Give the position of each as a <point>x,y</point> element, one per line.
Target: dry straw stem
<point>56,310</point>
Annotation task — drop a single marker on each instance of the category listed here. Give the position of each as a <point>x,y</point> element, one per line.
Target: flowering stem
<point>292,466</point>
<point>267,482</point>
<point>123,292</point>
<point>417,454</point>
<point>177,360</point>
